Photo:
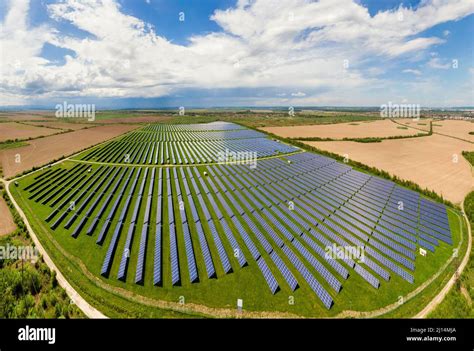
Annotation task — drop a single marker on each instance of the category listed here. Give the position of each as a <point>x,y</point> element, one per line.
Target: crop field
<point>160,213</point>
<point>39,152</point>
<point>12,131</point>
<point>434,162</point>
<point>362,129</point>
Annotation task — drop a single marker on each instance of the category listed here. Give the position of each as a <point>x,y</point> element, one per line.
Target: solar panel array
<point>193,144</point>
<point>305,221</point>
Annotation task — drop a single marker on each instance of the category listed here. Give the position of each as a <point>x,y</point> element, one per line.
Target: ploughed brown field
<point>62,125</point>
<point>422,124</point>
<point>428,161</point>
<point>457,129</point>
<point>27,115</point>
<point>7,225</point>
<point>362,129</point>
<point>12,131</point>
<point>42,151</point>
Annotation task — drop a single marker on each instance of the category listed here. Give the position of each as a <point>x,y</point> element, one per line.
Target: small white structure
<point>422,252</point>
<point>240,304</point>
<point>205,173</point>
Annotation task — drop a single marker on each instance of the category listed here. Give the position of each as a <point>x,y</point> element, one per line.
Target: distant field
<point>427,161</point>
<point>365,129</point>
<point>457,129</point>
<point>42,151</point>
<point>7,225</point>
<point>421,124</point>
<point>62,125</point>
<point>27,115</point>
<point>12,131</point>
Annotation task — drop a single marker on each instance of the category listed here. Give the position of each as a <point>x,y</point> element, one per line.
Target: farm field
<point>7,225</point>
<point>39,152</point>
<point>427,161</point>
<point>61,125</point>
<point>363,129</point>
<point>422,124</point>
<point>169,222</point>
<point>26,115</point>
<point>12,131</point>
<point>457,129</point>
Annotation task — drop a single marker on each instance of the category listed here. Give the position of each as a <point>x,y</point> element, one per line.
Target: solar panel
<point>323,295</point>
<point>220,248</point>
<point>268,275</point>
<point>323,271</point>
<point>261,238</point>
<point>238,253</point>
<point>367,276</point>
<point>175,276</point>
<point>289,277</point>
<point>157,258</point>
<point>243,233</point>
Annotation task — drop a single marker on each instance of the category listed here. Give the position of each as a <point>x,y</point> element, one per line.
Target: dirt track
<point>380,128</point>
<point>427,161</point>
<point>42,151</point>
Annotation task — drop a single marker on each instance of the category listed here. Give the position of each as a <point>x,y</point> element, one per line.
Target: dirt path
<point>85,307</point>
<point>442,294</point>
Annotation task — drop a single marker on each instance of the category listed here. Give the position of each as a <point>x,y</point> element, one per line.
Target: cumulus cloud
<point>438,63</point>
<point>289,44</point>
<point>412,71</point>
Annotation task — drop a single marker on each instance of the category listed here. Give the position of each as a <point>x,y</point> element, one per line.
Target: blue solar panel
<point>220,248</point>
<point>323,271</point>
<point>367,276</point>
<point>323,295</point>
<point>268,275</point>
<point>175,276</point>
<point>289,277</point>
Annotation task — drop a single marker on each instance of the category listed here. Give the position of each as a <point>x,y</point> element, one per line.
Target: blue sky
<point>123,53</point>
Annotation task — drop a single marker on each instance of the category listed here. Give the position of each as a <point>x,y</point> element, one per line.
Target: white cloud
<point>289,44</point>
<point>298,94</point>
<point>412,71</point>
<point>437,63</point>
<point>446,33</point>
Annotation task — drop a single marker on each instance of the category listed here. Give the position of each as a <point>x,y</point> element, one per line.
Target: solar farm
<point>160,213</point>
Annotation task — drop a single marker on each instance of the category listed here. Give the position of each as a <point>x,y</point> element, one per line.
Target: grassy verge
<point>11,144</point>
<point>28,288</point>
<point>459,301</point>
<point>469,156</point>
